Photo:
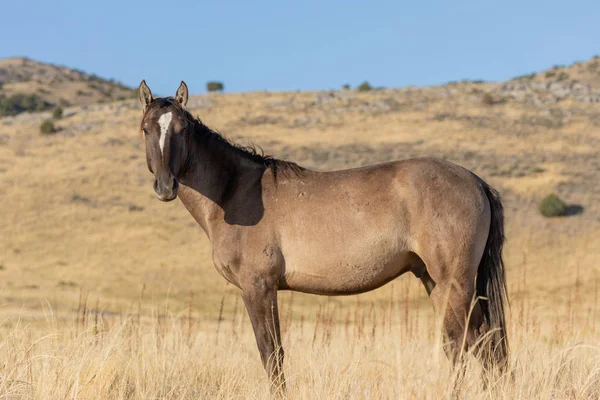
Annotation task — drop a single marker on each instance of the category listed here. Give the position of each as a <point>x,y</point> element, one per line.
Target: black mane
<point>205,133</point>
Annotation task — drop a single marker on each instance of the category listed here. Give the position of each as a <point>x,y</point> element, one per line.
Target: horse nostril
<point>155,185</point>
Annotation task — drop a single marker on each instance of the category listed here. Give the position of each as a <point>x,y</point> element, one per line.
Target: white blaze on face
<point>164,121</point>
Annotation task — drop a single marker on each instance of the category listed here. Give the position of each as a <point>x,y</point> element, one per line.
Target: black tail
<point>491,282</point>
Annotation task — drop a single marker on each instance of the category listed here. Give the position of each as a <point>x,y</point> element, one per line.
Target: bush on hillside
<point>214,86</point>
<point>47,127</point>
<point>57,113</point>
<point>364,87</point>
<point>346,86</point>
<point>526,77</point>
<point>490,99</point>
<point>20,102</point>
<point>94,78</point>
<point>552,206</point>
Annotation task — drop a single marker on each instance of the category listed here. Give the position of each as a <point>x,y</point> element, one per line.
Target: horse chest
<point>227,263</point>
<point>246,258</point>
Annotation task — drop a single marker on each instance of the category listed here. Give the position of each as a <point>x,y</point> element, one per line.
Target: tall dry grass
<point>338,351</point>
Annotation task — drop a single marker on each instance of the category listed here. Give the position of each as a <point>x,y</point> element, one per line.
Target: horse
<point>274,225</point>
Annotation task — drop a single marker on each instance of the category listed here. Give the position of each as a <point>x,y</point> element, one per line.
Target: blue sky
<point>302,45</point>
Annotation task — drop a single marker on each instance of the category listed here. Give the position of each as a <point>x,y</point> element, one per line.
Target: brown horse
<point>276,226</point>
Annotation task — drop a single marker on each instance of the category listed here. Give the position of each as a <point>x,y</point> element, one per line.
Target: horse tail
<point>491,282</point>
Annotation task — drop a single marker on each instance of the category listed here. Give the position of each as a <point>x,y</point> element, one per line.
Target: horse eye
<point>144,131</point>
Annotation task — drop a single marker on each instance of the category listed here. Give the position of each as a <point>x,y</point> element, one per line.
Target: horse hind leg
<point>445,305</point>
<point>461,313</point>
<point>461,317</point>
<point>427,282</point>
<point>419,269</point>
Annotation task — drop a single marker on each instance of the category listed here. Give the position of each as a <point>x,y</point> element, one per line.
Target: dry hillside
<point>48,86</point>
<point>584,72</point>
<point>80,224</point>
<point>80,213</point>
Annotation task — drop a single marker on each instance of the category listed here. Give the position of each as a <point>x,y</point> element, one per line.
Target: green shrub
<point>527,77</point>
<point>346,86</point>
<point>490,99</point>
<point>20,102</point>
<point>57,113</point>
<point>364,87</point>
<point>47,127</point>
<point>552,206</point>
<point>563,76</point>
<point>214,86</point>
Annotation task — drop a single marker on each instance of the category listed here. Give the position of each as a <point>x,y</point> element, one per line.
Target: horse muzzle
<point>166,189</point>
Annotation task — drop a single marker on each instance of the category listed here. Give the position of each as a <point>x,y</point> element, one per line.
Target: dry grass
<point>388,350</point>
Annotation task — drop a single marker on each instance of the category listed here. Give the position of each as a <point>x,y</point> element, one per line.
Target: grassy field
<point>364,351</point>
<point>108,293</point>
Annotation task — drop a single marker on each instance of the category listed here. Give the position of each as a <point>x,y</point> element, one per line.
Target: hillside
<point>80,213</point>
<point>583,72</point>
<point>27,85</point>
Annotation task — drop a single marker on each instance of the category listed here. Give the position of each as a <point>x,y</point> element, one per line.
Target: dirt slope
<point>79,213</point>
<point>54,85</point>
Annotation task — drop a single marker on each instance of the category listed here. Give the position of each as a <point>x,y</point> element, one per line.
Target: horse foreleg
<point>260,299</point>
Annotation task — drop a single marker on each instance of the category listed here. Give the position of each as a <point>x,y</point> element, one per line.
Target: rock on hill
<point>583,72</point>
<point>27,85</point>
<point>579,81</point>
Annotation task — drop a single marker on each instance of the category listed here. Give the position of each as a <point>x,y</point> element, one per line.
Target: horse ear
<point>182,94</point>
<point>145,95</point>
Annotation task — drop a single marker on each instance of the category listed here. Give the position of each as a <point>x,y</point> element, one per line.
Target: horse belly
<point>353,247</point>
<point>353,271</point>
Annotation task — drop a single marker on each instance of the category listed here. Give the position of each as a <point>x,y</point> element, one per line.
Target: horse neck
<point>215,170</point>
